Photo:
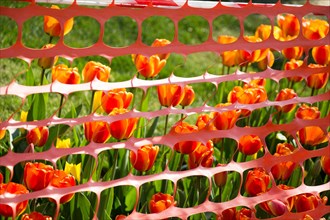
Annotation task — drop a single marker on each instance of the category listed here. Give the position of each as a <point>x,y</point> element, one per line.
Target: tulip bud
<point>53,27</point>
<point>38,136</point>
<point>97,131</point>
<point>257,182</point>
<point>95,69</point>
<point>286,94</point>
<point>145,157</point>
<point>189,96</point>
<point>47,62</point>
<point>62,180</point>
<point>249,144</point>
<point>37,176</point>
<point>35,216</point>
<point>170,95</point>
<point>220,179</point>
<point>122,129</point>
<point>14,189</point>
<point>159,202</point>
<point>325,164</point>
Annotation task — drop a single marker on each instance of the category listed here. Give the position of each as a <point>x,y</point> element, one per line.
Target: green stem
<point>164,182</point>
<point>182,114</point>
<point>179,168</point>
<point>59,116</point>
<point>115,157</point>
<point>42,76</point>
<point>91,105</point>
<point>220,194</point>
<point>50,39</point>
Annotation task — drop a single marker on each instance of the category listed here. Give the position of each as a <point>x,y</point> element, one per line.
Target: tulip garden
<point>156,110</point>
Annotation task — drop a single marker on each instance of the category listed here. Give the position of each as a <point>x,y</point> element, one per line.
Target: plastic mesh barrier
<point>20,15</point>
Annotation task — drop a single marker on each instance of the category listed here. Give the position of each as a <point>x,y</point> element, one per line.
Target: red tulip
<point>283,170</point>
<point>37,176</point>
<point>14,189</point>
<point>159,202</point>
<point>225,120</point>
<point>170,95</point>
<point>62,180</point>
<point>117,98</point>
<point>321,54</point>
<point>286,94</point>
<point>38,136</point>
<point>188,97</point>
<point>257,181</point>
<point>145,157</point>
<point>97,131</point>
<point>122,129</point>
<point>35,216</point>
<point>305,202</point>
<point>185,147</point>
<point>308,113</point>
<point>249,144</point>
<point>293,52</point>
<point>203,155</point>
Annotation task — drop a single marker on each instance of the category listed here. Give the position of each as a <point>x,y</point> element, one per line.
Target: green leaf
<point>106,202</point>
<point>130,198</point>
<point>153,127</point>
<point>38,108</point>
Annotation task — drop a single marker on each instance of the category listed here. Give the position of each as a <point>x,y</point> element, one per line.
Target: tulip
<point>95,69</point>
<point>225,120</point>
<point>62,180</point>
<point>2,133</point>
<point>293,52</point>
<point>224,39</point>
<point>249,144</point>
<point>65,75</point>
<point>159,202</point>
<point>203,155</point>
<point>23,116</point>
<point>263,31</point>
<point>305,202</point>
<point>117,98</point>
<point>321,54</point>
<point>274,207</point>
<point>150,67</point>
<point>308,113</point>
<point>66,143</point>
<point>145,157</point>
<point>189,96</point>
<point>98,131</point>
<point>47,62</point>
<point>314,29</point>
<point>325,164</point>
<point>220,179</point>
<point>37,176</point>
<point>243,214</point>
<point>205,121</point>
<point>170,95</point>
<point>1,178</point>
<point>73,169</point>
<point>289,25</point>
<point>53,27</point>
<point>256,55</point>
<point>317,80</point>
<point>312,136</point>
<point>120,217</point>
<point>185,147</point>
<point>283,170</point>
<point>229,58</point>
<point>290,200</point>
<point>14,189</point>
<point>286,94</point>
<point>122,129</point>
<point>35,216</point>
<point>38,136</point>
<point>268,61</point>
<point>257,182</point>
<point>228,214</point>
<point>293,64</point>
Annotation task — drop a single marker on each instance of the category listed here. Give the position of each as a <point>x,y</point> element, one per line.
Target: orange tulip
<point>263,31</point>
<point>225,39</point>
<point>145,157</point>
<point>2,133</point>
<point>38,136</point>
<point>308,112</point>
<point>95,69</point>
<point>203,155</point>
<point>314,29</point>
<point>62,180</point>
<point>293,64</point>
<point>325,164</point>
<point>35,216</point>
<point>117,98</point>
<point>37,176</point>
<point>205,121</point>
<point>286,94</point>
<point>257,182</point>
<point>170,95</point>
<point>317,80</point>
<point>150,67</point>
<point>243,214</point>
<point>122,129</point>
<point>189,96</point>
<point>289,26</point>
<point>229,58</point>
<point>220,179</point>
<point>256,55</point>
<point>65,75</point>
<point>47,62</point>
<point>274,207</point>
<point>225,120</point>
<point>305,202</point>
<point>15,189</point>
<point>283,170</point>
<point>249,144</point>
<point>268,61</point>
<point>53,27</point>
<point>97,131</point>
<point>293,52</point>
<point>321,54</point>
<point>185,147</point>
<point>312,136</point>
<point>159,202</point>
